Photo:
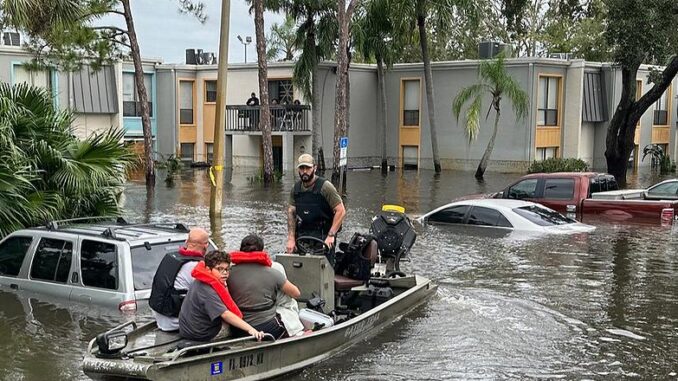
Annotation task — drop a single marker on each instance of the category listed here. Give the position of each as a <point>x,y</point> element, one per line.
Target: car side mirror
<point>499,195</point>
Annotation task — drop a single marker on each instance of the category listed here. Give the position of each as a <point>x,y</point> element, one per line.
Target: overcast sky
<point>164,32</point>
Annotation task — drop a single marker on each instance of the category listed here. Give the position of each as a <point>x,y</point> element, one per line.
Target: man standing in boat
<point>315,208</point>
<point>173,278</point>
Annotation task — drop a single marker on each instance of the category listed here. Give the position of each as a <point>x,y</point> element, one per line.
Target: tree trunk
<point>264,112</point>
<point>340,106</point>
<point>315,116</point>
<point>622,128</point>
<point>482,166</point>
<point>142,94</point>
<point>384,114</point>
<point>428,77</point>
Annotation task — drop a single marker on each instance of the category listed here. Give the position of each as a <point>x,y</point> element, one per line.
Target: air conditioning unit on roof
<point>562,56</point>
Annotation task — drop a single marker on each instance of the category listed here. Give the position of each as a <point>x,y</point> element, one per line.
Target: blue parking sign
<point>343,142</point>
<point>217,368</point>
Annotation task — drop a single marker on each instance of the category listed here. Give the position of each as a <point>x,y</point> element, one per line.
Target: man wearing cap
<point>315,207</point>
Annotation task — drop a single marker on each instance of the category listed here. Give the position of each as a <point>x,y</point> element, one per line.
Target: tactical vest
<point>165,299</point>
<point>314,214</point>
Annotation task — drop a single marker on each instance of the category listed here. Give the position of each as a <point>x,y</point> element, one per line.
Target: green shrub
<point>556,164</point>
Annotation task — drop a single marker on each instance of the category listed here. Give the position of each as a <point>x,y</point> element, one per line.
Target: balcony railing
<point>283,118</point>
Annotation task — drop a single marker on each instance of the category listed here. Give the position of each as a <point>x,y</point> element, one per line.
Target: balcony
<point>283,118</point>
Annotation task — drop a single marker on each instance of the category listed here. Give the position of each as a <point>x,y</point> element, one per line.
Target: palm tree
<point>373,35</point>
<point>281,40</point>
<point>493,79</point>
<point>47,173</point>
<point>265,118</point>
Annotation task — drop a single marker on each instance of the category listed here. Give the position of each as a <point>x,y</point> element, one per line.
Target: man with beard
<point>315,208</point>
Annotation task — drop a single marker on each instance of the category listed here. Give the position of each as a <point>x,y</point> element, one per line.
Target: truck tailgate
<point>635,211</point>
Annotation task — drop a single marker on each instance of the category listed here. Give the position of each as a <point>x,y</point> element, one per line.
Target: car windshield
<point>145,262</point>
<point>542,216</point>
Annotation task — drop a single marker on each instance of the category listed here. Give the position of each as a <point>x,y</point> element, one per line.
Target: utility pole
<point>217,188</point>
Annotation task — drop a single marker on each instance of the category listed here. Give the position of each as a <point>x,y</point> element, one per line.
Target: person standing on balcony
<point>253,114</point>
<point>315,208</point>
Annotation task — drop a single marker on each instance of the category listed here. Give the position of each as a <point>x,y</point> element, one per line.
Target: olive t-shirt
<point>254,289</point>
<point>328,191</point>
<point>200,315</point>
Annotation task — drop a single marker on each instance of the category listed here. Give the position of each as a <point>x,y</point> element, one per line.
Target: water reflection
<point>588,306</point>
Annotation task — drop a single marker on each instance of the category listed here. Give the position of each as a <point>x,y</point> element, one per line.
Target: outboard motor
<point>395,235</point>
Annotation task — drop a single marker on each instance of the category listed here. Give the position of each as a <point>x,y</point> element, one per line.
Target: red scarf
<point>201,273</point>
<point>257,257</point>
<point>190,253</point>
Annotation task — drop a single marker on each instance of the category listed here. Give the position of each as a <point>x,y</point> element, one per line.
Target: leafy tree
<point>374,39</point>
<point>45,172</point>
<point>281,40</point>
<point>439,13</point>
<point>640,32</point>
<point>68,33</point>
<point>495,80</point>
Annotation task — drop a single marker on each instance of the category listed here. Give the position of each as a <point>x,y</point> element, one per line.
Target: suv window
<point>487,217</point>
<point>541,216</point>
<point>99,264</point>
<point>524,189</point>
<point>52,260</point>
<point>12,253</point>
<point>145,262</point>
<point>453,215</point>
<point>559,189</point>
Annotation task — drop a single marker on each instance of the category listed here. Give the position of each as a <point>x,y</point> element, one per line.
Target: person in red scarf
<point>208,304</point>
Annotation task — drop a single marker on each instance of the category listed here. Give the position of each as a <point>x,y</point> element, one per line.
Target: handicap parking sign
<point>343,142</point>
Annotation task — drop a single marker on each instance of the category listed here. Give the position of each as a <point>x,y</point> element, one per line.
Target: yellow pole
<point>217,188</point>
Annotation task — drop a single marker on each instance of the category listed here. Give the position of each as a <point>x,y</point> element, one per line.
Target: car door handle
<point>74,278</point>
<point>14,286</point>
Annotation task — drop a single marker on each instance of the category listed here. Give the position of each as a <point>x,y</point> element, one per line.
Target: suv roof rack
<point>110,231</point>
<point>54,225</point>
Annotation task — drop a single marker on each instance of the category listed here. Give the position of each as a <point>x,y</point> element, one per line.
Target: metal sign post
<point>343,148</point>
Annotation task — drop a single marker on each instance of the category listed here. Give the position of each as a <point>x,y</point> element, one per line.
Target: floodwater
<point>593,306</point>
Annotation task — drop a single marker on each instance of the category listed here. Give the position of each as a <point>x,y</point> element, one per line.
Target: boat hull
<point>266,360</point>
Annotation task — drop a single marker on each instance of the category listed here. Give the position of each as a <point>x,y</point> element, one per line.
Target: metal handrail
<point>183,351</point>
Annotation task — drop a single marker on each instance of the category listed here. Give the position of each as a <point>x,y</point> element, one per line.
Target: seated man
<point>208,304</point>
<point>173,278</point>
<point>255,289</point>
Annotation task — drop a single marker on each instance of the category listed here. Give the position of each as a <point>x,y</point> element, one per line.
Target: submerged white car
<point>506,214</point>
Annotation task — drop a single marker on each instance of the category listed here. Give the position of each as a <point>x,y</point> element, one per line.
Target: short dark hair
<point>252,243</point>
<point>214,257</point>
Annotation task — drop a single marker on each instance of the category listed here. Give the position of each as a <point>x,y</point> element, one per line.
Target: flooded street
<point>589,306</point>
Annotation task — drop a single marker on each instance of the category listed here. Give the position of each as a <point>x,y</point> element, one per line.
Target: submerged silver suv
<point>109,264</point>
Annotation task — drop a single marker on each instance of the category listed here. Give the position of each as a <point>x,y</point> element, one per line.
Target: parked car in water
<point>108,264</point>
<point>514,215</point>
<point>665,190</point>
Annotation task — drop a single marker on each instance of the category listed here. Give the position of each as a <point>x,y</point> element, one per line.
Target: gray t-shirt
<point>254,289</point>
<point>200,316</point>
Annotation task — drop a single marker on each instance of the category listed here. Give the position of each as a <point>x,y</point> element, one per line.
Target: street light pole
<point>247,41</point>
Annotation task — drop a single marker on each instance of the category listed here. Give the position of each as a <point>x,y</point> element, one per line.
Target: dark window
<point>485,217</point>
<point>130,108</point>
<point>281,90</point>
<point>12,253</point>
<point>410,117</point>
<point>660,118</point>
<point>210,91</point>
<point>187,150</point>
<point>547,105</point>
<point>99,264</point>
<point>145,262</point>
<point>559,189</point>
<point>542,216</point>
<point>453,215</point>
<point>52,260</point>
<point>186,116</point>
<point>524,189</point>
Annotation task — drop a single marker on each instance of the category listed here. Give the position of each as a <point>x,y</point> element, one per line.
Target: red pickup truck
<point>589,195</point>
